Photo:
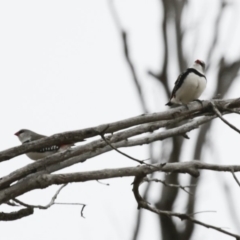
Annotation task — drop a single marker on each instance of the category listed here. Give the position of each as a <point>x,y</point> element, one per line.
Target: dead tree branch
<point>41,181</point>
<point>135,131</point>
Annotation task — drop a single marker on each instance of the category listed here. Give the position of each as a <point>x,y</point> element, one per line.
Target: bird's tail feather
<point>169,104</point>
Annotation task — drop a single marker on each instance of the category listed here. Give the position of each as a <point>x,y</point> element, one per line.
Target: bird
<point>189,85</point>
<point>27,136</point>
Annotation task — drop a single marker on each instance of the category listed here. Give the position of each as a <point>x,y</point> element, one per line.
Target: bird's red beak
<point>16,134</point>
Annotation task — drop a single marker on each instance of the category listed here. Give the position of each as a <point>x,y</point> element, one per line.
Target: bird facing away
<point>26,136</point>
<point>189,85</point>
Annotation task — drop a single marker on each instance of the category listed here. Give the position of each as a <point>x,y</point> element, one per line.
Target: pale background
<point>62,68</point>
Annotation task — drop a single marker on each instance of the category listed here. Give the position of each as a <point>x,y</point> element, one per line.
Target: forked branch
<point>182,216</point>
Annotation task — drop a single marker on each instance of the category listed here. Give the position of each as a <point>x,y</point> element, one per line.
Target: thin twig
<point>79,204</point>
<point>235,177</point>
<point>209,211</point>
<point>52,202</point>
<point>126,155</point>
<point>170,184</point>
<point>107,184</point>
<point>223,119</point>
<point>40,206</point>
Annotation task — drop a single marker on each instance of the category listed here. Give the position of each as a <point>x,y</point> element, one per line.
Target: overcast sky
<point>62,68</point>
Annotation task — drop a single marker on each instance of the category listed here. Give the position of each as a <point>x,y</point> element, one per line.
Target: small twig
<point>81,204</point>
<point>107,184</point>
<point>210,211</point>
<point>40,206</point>
<point>82,210</point>
<point>52,202</point>
<point>124,154</point>
<point>223,119</point>
<point>235,177</point>
<point>170,185</point>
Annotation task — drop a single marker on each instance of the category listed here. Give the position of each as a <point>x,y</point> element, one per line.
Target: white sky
<point>62,68</point>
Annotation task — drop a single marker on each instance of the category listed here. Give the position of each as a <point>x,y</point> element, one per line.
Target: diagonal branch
<point>224,120</point>
<point>235,177</point>
<point>124,154</point>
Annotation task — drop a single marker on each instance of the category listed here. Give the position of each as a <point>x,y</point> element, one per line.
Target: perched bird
<point>26,136</point>
<point>189,85</point>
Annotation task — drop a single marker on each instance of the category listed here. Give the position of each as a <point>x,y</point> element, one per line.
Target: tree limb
<point>40,181</point>
<point>16,215</point>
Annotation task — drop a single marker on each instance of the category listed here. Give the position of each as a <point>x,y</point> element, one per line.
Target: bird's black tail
<point>169,104</point>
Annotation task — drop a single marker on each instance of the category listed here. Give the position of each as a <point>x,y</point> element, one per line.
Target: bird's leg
<point>198,100</point>
<point>186,106</point>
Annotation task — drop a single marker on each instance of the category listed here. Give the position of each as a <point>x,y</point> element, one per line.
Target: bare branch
<point>39,206</point>
<point>37,181</point>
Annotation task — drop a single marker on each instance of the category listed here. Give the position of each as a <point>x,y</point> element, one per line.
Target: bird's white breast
<point>191,89</point>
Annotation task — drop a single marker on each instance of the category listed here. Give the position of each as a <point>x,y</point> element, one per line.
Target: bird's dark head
<point>201,63</point>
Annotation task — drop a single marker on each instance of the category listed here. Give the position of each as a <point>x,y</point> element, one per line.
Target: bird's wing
<point>37,137</point>
<point>179,82</point>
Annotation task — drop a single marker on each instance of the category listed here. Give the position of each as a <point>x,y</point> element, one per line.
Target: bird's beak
<point>16,134</point>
